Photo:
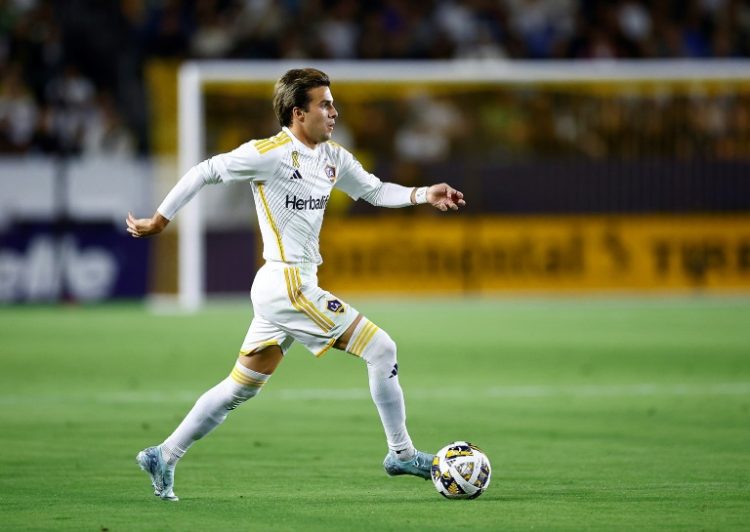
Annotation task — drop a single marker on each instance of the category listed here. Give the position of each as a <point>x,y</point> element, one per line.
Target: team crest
<point>334,305</point>
<point>331,172</point>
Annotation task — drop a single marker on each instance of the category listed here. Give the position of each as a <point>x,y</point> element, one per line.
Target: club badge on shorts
<point>334,305</point>
<point>331,172</point>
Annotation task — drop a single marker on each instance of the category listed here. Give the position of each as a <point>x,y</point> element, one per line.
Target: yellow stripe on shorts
<point>295,292</point>
<point>260,346</point>
<point>292,291</point>
<point>363,338</point>
<point>307,303</point>
<point>326,348</point>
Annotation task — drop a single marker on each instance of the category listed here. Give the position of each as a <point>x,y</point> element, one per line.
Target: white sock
<point>376,348</point>
<point>211,409</point>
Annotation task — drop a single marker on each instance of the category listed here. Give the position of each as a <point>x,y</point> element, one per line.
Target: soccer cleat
<point>162,475</point>
<point>418,466</point>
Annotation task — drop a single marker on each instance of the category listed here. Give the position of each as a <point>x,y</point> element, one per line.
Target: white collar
<point>299,144</point>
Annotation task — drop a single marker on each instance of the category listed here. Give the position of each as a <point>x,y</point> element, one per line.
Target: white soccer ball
<point>461,470</point>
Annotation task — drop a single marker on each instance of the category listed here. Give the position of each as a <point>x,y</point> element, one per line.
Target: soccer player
<point>291,175</point>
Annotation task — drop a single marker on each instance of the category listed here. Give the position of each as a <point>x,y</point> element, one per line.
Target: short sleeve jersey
<point>292,185</point>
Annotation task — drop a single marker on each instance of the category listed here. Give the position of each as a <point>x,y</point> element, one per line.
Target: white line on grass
<point>350,394</point>
<point>628,390</point>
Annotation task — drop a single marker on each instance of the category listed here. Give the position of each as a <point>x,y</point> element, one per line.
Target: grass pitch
<point>600,415</point>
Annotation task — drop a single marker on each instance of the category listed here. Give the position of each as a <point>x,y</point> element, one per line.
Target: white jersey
<point>291,184</point>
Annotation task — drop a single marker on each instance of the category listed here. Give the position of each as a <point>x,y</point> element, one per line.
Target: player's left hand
<point>443,197</point>
<point>140,227</point>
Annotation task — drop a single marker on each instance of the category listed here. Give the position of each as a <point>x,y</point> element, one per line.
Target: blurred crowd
<point>511,124</point>
<point>71,71</point>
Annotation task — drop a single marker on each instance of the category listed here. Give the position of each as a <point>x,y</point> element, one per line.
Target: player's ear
<point>298,113</point>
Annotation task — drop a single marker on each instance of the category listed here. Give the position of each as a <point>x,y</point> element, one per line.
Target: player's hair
<point>292,91</point>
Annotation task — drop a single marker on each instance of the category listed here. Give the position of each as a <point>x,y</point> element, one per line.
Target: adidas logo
<point>394,371</point>
<point>296,175</point>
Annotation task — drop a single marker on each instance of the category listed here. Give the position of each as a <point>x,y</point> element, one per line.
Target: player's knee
<point>244,384</point>
<point>389,348</point>
<point>241,395</point>
<point>381,352</point>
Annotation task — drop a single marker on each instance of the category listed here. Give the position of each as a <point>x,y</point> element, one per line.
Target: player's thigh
<point>264,360</point>
<point>264,346</point>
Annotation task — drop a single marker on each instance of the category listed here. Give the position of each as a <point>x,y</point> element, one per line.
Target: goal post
<point>191,249</point>
<point>195,75</point>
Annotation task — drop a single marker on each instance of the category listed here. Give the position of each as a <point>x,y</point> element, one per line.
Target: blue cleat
<point>418,466</point>
<point>162,475</point>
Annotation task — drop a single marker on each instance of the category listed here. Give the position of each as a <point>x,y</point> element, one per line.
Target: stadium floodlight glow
<point>194,74</point>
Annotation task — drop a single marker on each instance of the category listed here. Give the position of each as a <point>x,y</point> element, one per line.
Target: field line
<point>627,390</point>
<point>349,394</point>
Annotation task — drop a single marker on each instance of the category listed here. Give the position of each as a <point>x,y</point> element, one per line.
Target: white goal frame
<point>193,74</point>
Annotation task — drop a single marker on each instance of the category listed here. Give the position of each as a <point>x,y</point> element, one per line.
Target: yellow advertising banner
<point>460,254</point>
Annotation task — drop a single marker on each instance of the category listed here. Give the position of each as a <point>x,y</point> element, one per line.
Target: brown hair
<point>292,91</point>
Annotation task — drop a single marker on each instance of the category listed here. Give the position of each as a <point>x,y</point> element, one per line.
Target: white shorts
<point>289,305</point>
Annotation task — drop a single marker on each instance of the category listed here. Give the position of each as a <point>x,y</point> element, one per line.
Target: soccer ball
<point>461,470</point>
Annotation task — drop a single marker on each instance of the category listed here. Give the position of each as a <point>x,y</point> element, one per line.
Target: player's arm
<point>186,188</point>
<point>240,164</point>
<point>359,183</point>
<point>139,227</point>
<point>363,185</point>
<point>441,196</point>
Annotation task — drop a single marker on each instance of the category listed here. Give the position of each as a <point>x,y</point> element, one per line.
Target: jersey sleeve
<point>353,179</point>
<point>358,183</point>
<point>244,163</point>
<point>241,164</point>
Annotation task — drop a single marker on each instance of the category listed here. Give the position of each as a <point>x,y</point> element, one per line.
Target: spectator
<point>339,31</point>
<point>213,38</point>
<point>72,97</point>
<point>71,72</point>
<point>18,112</point>
<point>106,134</point>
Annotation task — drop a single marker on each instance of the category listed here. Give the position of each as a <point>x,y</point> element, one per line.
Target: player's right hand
<point>139,227</point>
<point>443,197</point>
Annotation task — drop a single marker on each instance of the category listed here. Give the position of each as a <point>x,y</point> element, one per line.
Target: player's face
<point>316,123</point>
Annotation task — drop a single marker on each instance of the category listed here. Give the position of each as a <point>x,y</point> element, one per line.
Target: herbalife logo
<point>299,204</point>
<point>296,175</point>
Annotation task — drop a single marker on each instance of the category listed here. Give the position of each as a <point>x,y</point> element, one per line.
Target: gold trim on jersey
<point>266,145</point>
<point>363,338</point>
<point>301,303</point>
<point>241,378</point>
<point>275,229</point>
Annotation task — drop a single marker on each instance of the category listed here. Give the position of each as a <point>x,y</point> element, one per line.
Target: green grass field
<point>597,415</point>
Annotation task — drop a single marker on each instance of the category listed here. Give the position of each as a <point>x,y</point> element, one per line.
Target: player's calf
<point>209,411</point>
<point>378,349</point>
<point>212,409</point>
